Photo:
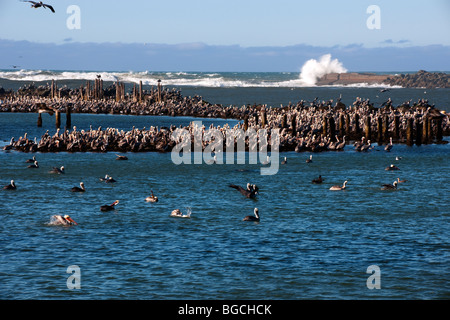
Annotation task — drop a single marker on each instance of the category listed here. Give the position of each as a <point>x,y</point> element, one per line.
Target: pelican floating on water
<point>65,220</point>
<point>119,157</point>
<point>81,188</point>
<point>179,214</point>
<point>390,186</point>
<point>392,167</point>
<point>109,207</point>
<point>108,179</point>
<point>151,198</point>
<point>35,165</point>
<point>339,187</point>
<point>11,186</point>
<point>284,161</point>
<point>318,180</point>
<point>309,160</point>
<point>58,170</point>
<point>253,218</point>
<point>31,160</point>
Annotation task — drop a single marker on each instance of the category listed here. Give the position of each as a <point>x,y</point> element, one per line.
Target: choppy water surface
<point>311,243</point>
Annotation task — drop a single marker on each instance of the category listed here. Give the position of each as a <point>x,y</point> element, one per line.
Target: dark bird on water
<point>253,218</point>
<point>318,180</point>
<point>250,192</point>
<point>11,186</point>
<point>39,4</point>
<point>119,157</point>
<point>81,188</point>
<point>109,207</point>
<point>390,186</point>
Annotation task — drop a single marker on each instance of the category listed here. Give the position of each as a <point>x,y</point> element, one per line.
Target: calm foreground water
<point>311,243</point>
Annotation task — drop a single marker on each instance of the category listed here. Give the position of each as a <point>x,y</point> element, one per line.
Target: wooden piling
<point>159,90</point>
<point>39,122</point>
<point>347,124</point>
<point>246,123</point>
<point>68,117</point>
<point>357,128</point>
<point>385,135</point>
<point>294,124</point>
<point>380,131</point>
<point>324,126</point>
<point>425,133</point>
<point>332,126</point>
<point>396,127</point>
<point>409,131</point>
<point>58,119</point>
<point>367,129</point>
<point>419,132</point>
<point>341,125</point>
<point>439,135</point>
<point>140,91</point>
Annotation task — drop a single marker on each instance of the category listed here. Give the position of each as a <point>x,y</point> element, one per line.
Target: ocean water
<point>311,243</point>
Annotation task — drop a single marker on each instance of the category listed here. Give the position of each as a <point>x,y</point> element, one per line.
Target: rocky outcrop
<point>421,79</point>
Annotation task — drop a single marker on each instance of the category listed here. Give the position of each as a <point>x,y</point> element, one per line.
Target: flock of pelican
<point>250,191</point>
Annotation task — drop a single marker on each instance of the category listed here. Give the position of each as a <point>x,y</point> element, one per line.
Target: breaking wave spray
<point>313,70</point>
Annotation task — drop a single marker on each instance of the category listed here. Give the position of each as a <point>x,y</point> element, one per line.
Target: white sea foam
<point>313,70</point>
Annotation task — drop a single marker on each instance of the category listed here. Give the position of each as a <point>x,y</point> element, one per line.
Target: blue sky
<point>231,22</point>
<point>242,23</point>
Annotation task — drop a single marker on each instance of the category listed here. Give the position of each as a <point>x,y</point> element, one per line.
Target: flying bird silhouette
<point>39,4</point>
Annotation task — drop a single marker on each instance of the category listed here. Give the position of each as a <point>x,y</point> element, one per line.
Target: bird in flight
<point>36,5</point>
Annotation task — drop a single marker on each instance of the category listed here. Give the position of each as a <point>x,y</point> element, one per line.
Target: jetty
<point>312,126</point>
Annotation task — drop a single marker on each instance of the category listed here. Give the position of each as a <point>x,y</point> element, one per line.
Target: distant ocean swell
<point>195,79</point>
<point>311,71</point>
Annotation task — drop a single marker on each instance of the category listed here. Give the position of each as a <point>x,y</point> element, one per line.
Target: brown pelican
<point>11,186</point>
<point>151,198</point>
<point>179,214</point>
<point>81,188</point>
<point>252,218</point>
<point>40,4</point>
<point>108,179</point>
<point>31,160</point>
<point>119,157</point>
<point>309,160</point>
<point>392,167</point>
<point>35,165</point>
<point>58,170</point>
<point>318,180</point>
<point>65,220</point>
<point>389,146</point>
<point>339,187</point>
<point>284,161</point>
<point>390,186</point>
<point>250,192</point>
<point>109,207</point>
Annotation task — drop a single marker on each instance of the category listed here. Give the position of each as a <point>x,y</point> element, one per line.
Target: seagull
<point>40,4</point>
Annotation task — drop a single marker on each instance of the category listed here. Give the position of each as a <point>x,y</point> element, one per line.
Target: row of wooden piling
<point>418,131</point>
